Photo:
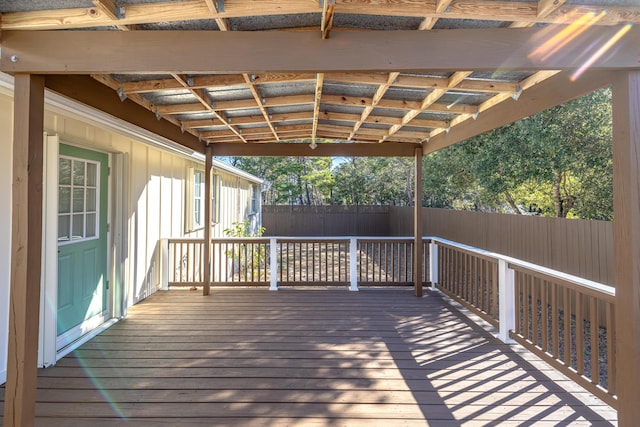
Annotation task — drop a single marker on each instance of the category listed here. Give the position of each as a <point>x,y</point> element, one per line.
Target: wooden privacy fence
<point>322,221</point>
<point>578,247</point>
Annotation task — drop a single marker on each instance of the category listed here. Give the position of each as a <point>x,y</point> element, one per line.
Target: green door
<point>82,236</point>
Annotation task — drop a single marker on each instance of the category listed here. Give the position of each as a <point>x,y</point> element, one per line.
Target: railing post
<point>433,264</point>
<point>353,264</point>
<point>273,259</point>
<point>506,301</point>
<point>164,264</point>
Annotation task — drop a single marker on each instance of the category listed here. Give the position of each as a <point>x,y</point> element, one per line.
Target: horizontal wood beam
<point>47,52</point>
<point>549,93</point>
<point>322,149</point>
<point>529,12</point>
<point>88,91</point>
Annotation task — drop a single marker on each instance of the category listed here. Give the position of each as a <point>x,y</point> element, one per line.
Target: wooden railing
<point>304,261</point>
<point>471,278</point>
<point>312,262</point>
<point>568,324</point>
<point>389,261</point>
<point>565,320</point>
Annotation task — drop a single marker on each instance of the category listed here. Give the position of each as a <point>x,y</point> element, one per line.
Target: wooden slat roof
<point>380,104</point>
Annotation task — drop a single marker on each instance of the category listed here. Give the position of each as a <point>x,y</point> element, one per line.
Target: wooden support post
<point>417,224</point>
<point>626,239</point>
<point>26,247</point>
<point>208,208</point>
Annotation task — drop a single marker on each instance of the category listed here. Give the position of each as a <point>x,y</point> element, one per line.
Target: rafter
<point>495,100</point>
<point>316,105</point>
<point>259,100</point>
<point>542,94</point>
<point>113,84</point>
<point>382,89</point>
<point>429,22</point>
<point>222,23</point>
<point>110,9</point>
<point>544,9</point>
<point>328,10</point>
<point>203,99</point>
<point>428,101</point>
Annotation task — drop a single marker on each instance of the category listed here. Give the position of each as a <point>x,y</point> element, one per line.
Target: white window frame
<point>196,194</point>
<point>215,198</point>
<point>255,198</point>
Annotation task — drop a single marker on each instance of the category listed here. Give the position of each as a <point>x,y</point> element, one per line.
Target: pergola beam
<point>388,149</point>
<point>46,52</point>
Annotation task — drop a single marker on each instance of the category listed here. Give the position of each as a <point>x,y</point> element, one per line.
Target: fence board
<point>326,220</point>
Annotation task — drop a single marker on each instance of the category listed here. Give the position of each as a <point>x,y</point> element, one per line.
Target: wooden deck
<point>252,357</point>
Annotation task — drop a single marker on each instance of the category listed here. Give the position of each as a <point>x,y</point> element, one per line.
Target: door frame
<point>51,348</point>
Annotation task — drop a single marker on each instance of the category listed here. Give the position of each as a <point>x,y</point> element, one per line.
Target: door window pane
<point>64,200</point>
<point>64,226</point>
<point>64,172</point>
<point>78,173</point>
<point>92,174</point>
<point>78,199</point>
<point>90,230</point>
<point>91,200</point>
<point>77,226</point>
<point>78,196</point>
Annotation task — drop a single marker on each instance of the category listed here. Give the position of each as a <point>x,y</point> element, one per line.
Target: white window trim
<point>191,223</point>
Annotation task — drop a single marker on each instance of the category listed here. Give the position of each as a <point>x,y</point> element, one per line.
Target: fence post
<point>506,301</point>
<point>164,264</point>
<point>353,264</point>
<point>273,259</point>
<point>433,264</point>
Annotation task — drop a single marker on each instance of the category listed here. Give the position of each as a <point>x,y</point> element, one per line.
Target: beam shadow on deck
<point>249,357</point>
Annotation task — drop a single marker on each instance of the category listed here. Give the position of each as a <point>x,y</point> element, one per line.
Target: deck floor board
<point>250,357</point>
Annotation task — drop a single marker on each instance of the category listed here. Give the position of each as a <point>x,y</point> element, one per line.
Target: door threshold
<point>84,338</point>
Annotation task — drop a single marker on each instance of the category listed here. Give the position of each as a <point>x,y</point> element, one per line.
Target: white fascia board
<point>217,164</point>
<point>75,109</point>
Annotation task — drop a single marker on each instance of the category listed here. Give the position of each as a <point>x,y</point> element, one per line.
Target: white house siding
<point>155,200</point>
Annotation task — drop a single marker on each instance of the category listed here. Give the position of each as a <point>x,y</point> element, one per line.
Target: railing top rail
<point>514,262</point>
<point>302,238</point>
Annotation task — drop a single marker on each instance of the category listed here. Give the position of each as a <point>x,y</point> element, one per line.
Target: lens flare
<point>565,36</point>
<point>603,49</point>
